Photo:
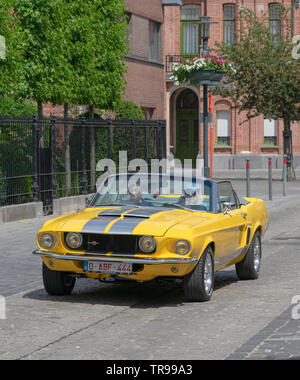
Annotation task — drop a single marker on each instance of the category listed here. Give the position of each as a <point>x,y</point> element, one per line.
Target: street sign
<point>2,47</point>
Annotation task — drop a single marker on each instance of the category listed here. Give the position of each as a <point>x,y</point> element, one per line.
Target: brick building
<point>163,31</point>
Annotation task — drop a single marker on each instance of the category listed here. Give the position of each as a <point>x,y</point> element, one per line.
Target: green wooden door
<point>187,134</point>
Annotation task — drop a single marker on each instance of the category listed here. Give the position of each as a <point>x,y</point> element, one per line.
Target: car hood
<point>120,221</point>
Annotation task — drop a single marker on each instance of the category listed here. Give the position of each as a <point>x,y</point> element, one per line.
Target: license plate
<point>107,267</point>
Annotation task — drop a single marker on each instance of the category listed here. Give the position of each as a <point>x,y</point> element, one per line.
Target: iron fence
<point>41,160</point>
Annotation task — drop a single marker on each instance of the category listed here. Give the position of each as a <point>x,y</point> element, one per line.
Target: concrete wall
<point>67,205</point>
<point>235,162</point>
<point>21,212</point>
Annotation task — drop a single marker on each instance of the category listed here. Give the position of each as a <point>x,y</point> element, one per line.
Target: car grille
<point>118,244</point>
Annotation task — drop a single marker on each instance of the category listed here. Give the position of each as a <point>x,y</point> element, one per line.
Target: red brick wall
<point>145,86</point>
<point>246,135</point>
<point>145,79</point>
<point>150,9</point>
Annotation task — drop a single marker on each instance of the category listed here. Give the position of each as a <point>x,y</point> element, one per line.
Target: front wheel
<point>57,283</point>
<point>199,284</point>
<point>249,267</point>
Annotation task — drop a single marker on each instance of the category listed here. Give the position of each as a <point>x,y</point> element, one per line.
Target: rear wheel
<point>198,285</point>
<point>57,283</point>
<point>249,267</point>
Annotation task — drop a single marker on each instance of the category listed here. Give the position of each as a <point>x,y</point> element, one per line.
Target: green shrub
<point>16,107</point>
<point>127,110</point>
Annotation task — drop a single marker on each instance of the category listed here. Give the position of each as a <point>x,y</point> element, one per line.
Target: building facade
<point>165,31</point>
<point>145,59</point>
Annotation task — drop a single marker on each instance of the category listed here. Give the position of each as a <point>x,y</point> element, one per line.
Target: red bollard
<point>248,178</point>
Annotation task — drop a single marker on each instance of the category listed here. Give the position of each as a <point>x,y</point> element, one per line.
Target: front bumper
<point>134,260</point>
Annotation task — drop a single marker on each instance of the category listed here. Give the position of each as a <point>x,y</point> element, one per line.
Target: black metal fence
<point>41,160</point>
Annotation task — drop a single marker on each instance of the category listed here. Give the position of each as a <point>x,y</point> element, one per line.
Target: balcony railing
<point>171,59</point>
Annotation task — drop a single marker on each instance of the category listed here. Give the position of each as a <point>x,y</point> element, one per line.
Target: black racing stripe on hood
<point>131,220</point>
<point>116,211</point>
<point>144,212</point>
<point>125,226</point>
<point>99,224</point>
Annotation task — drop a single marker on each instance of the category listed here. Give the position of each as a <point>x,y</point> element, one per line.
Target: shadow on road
<point>134,295</point>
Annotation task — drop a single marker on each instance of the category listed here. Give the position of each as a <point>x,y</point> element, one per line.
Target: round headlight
<point>46,241</point>
<point>182,247</point>
<point>147,244</point>
<point>74,240</point>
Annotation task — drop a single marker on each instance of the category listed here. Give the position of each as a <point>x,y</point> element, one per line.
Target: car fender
<point>208,241</point>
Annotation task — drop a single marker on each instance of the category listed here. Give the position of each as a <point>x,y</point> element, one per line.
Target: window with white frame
<point>270,131</point>
<point>223,128</point>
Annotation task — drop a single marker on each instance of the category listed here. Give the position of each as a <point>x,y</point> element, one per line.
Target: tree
<point>11,68</point>
<point>97,44</point>
<point>267,78</point>
<point>45,73</point>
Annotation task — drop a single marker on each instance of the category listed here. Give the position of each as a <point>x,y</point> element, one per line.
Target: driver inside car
<point>192,197</point>
<point>136,195</point>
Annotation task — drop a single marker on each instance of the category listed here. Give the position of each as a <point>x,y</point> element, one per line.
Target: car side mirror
<point>227,207</point>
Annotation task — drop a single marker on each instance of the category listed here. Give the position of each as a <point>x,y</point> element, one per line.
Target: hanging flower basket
<point>199,71</point>
<point>206,76</point>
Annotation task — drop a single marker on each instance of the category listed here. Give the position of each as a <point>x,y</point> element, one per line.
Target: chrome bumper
<point>134,260</point>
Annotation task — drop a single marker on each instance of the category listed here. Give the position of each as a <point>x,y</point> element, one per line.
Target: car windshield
<point>162,191</point>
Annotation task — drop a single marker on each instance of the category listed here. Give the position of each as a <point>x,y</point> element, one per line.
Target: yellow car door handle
<point>244,214</point>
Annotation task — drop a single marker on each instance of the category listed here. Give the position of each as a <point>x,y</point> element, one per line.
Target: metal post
<point>109,139</point>
<point>284,174</point>
<point>53,157</point>
<point>211,128</point>
<point>270,178</point>
<point>248,178</point>
<point>67,159</point>
<point>146,144</point>
<point>133,141</point>
<point>35,159</point>
<point>83,159</point>
<point>205,131</point>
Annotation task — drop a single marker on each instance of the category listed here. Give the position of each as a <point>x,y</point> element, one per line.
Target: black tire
<point>57,283</point>
<point>249,267</point>
<point>196,288</point>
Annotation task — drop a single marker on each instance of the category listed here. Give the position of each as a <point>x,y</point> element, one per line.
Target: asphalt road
<point>244,319</point>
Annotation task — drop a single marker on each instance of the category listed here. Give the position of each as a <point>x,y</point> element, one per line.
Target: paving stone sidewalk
<point>279,340</point>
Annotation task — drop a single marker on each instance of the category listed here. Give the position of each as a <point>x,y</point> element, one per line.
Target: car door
<point>232,224</point>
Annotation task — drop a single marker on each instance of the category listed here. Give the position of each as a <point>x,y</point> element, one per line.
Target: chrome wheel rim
<point>257,255</point>
<point>208,274</point>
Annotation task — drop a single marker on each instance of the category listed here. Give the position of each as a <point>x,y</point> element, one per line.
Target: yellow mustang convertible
<point>141,228</point>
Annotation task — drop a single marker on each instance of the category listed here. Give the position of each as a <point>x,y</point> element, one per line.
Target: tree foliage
<point>267,78</point>
<point>64,52</point>
<point>11,68</point>
<point>97,44</point>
